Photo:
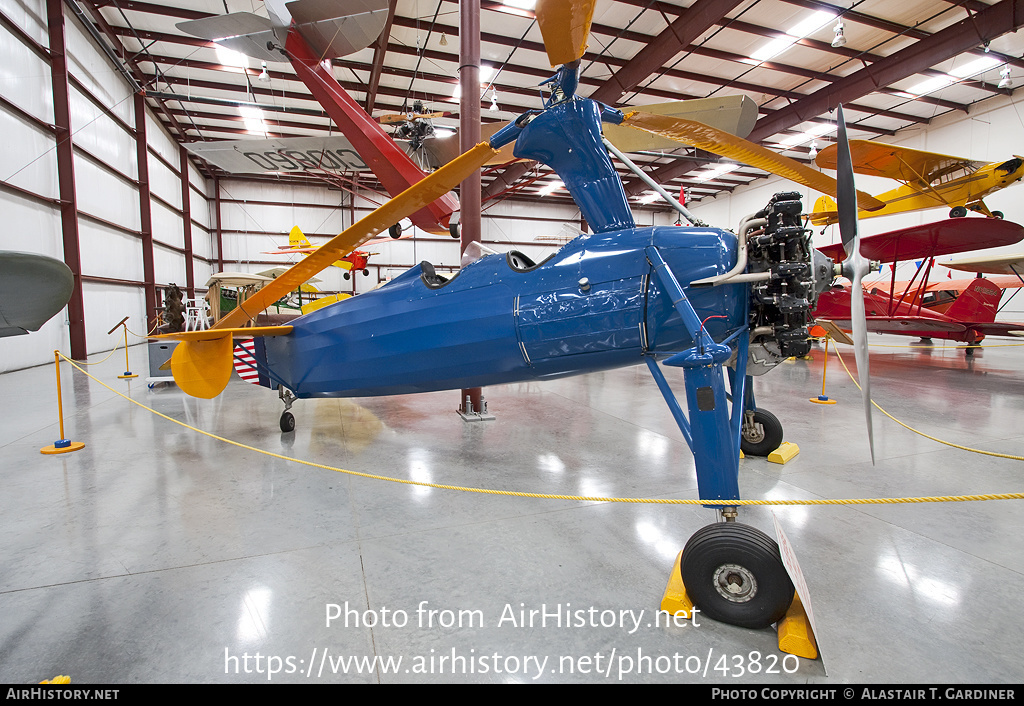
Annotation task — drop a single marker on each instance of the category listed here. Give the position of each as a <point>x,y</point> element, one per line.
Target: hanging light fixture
<point>494,100</point>
<point>264,76</point>
<point>444,39</point>
<point>1004,81</point>
<point>814,149</point>
<point>840,38</point>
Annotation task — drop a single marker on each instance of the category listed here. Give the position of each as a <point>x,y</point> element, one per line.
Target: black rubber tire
<point>366,273</point>
<point>346,275</point>
<point>997,214</point>
<point>287,422</point>
<point>395,231</point>
<point>769,438</point>
<point>453,230</point>
<point>744,557</point>
<point>957,212</point>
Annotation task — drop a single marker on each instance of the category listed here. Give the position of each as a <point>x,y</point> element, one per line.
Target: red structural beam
<point>66,174</point>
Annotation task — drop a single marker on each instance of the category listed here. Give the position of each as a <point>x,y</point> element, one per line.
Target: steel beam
<point>186,222</point>
<point>66,174</point>
<point>687,28</point>
<point>145,210</point>
<point>1001,18</point>
<point>469,135</point>
<point>380,50</point>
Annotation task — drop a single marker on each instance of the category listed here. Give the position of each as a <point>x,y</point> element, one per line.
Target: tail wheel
<point>287,422</point>
<point>734,574</point>
<point>761,433</point>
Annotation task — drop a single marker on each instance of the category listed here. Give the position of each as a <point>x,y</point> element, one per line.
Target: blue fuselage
<point>498,323</point>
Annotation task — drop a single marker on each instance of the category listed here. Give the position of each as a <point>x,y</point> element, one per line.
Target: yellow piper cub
<point>929,180</point>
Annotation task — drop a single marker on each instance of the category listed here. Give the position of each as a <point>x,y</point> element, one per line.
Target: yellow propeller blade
<point>705,137</point>
<point>406,203</point>
<point>565,26</point>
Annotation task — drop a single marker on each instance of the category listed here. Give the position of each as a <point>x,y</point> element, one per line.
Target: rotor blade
<point>402,206</point>
<point>705,137</point>
<point>857,266</point>
<point>565,26</point>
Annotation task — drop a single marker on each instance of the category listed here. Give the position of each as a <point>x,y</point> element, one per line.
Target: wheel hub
<point>753,432</point>
<point>734,583</point>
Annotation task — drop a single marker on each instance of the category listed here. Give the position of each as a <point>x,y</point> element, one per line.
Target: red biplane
<point>967,317</point>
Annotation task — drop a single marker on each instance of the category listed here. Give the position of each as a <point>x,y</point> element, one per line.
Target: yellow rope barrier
<point>586,498</point>
<point>97,362</point>
<point>921,433</point>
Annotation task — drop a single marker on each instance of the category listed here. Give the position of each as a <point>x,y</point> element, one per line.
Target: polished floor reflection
<point>157,554</point>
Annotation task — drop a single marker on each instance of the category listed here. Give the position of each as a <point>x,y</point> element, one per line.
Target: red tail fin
<point>976,304</point>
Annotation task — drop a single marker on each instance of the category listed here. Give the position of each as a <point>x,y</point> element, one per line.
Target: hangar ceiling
<point>902,64</point>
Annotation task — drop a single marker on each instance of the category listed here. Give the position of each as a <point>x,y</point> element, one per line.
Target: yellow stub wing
<point>202,361</point>
<point>705,137</point>
<point>565,25</point>
<point>203,368</point>
<point>900,163</point>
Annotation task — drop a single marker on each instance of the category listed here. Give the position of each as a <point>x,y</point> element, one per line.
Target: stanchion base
<point>62,447</point>
<point>128,374</point>
<point>822,399</point>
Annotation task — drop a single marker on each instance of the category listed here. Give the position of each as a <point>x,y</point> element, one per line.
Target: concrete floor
<point>159,555</point>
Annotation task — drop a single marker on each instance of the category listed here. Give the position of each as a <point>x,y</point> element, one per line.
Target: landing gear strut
<point>733,572</point>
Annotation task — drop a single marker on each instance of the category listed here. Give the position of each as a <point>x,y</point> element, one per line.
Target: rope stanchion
<point>582,498</point>
<point>823,398</point>
<point>62,445</point>
<point>128,374</point>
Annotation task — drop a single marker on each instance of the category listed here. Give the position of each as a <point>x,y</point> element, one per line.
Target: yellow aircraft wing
<point>909,166</point>
<point>720,142</point>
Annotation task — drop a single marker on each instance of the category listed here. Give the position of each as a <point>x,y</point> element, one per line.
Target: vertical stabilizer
<point>297,239</point>
<point>976,304</point>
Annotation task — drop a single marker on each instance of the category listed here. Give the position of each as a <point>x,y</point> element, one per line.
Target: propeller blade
<point>565,26</point>
<point>847,191</point>
<point>860,349</point>
<point>402,206</point>
<point>711,139</point>
<point>855,268</point>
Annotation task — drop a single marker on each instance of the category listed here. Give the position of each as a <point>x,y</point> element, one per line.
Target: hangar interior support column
<point>186,222</point>
<point>66,173</point>
<point>469,135</point>
<point>145,210</point>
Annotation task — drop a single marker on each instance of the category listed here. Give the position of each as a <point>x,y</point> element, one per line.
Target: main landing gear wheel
<point>287,422</point>
<point>395,231</point>
<point>957,212</point>
<point>735,575</point>
<point>761,433</point>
